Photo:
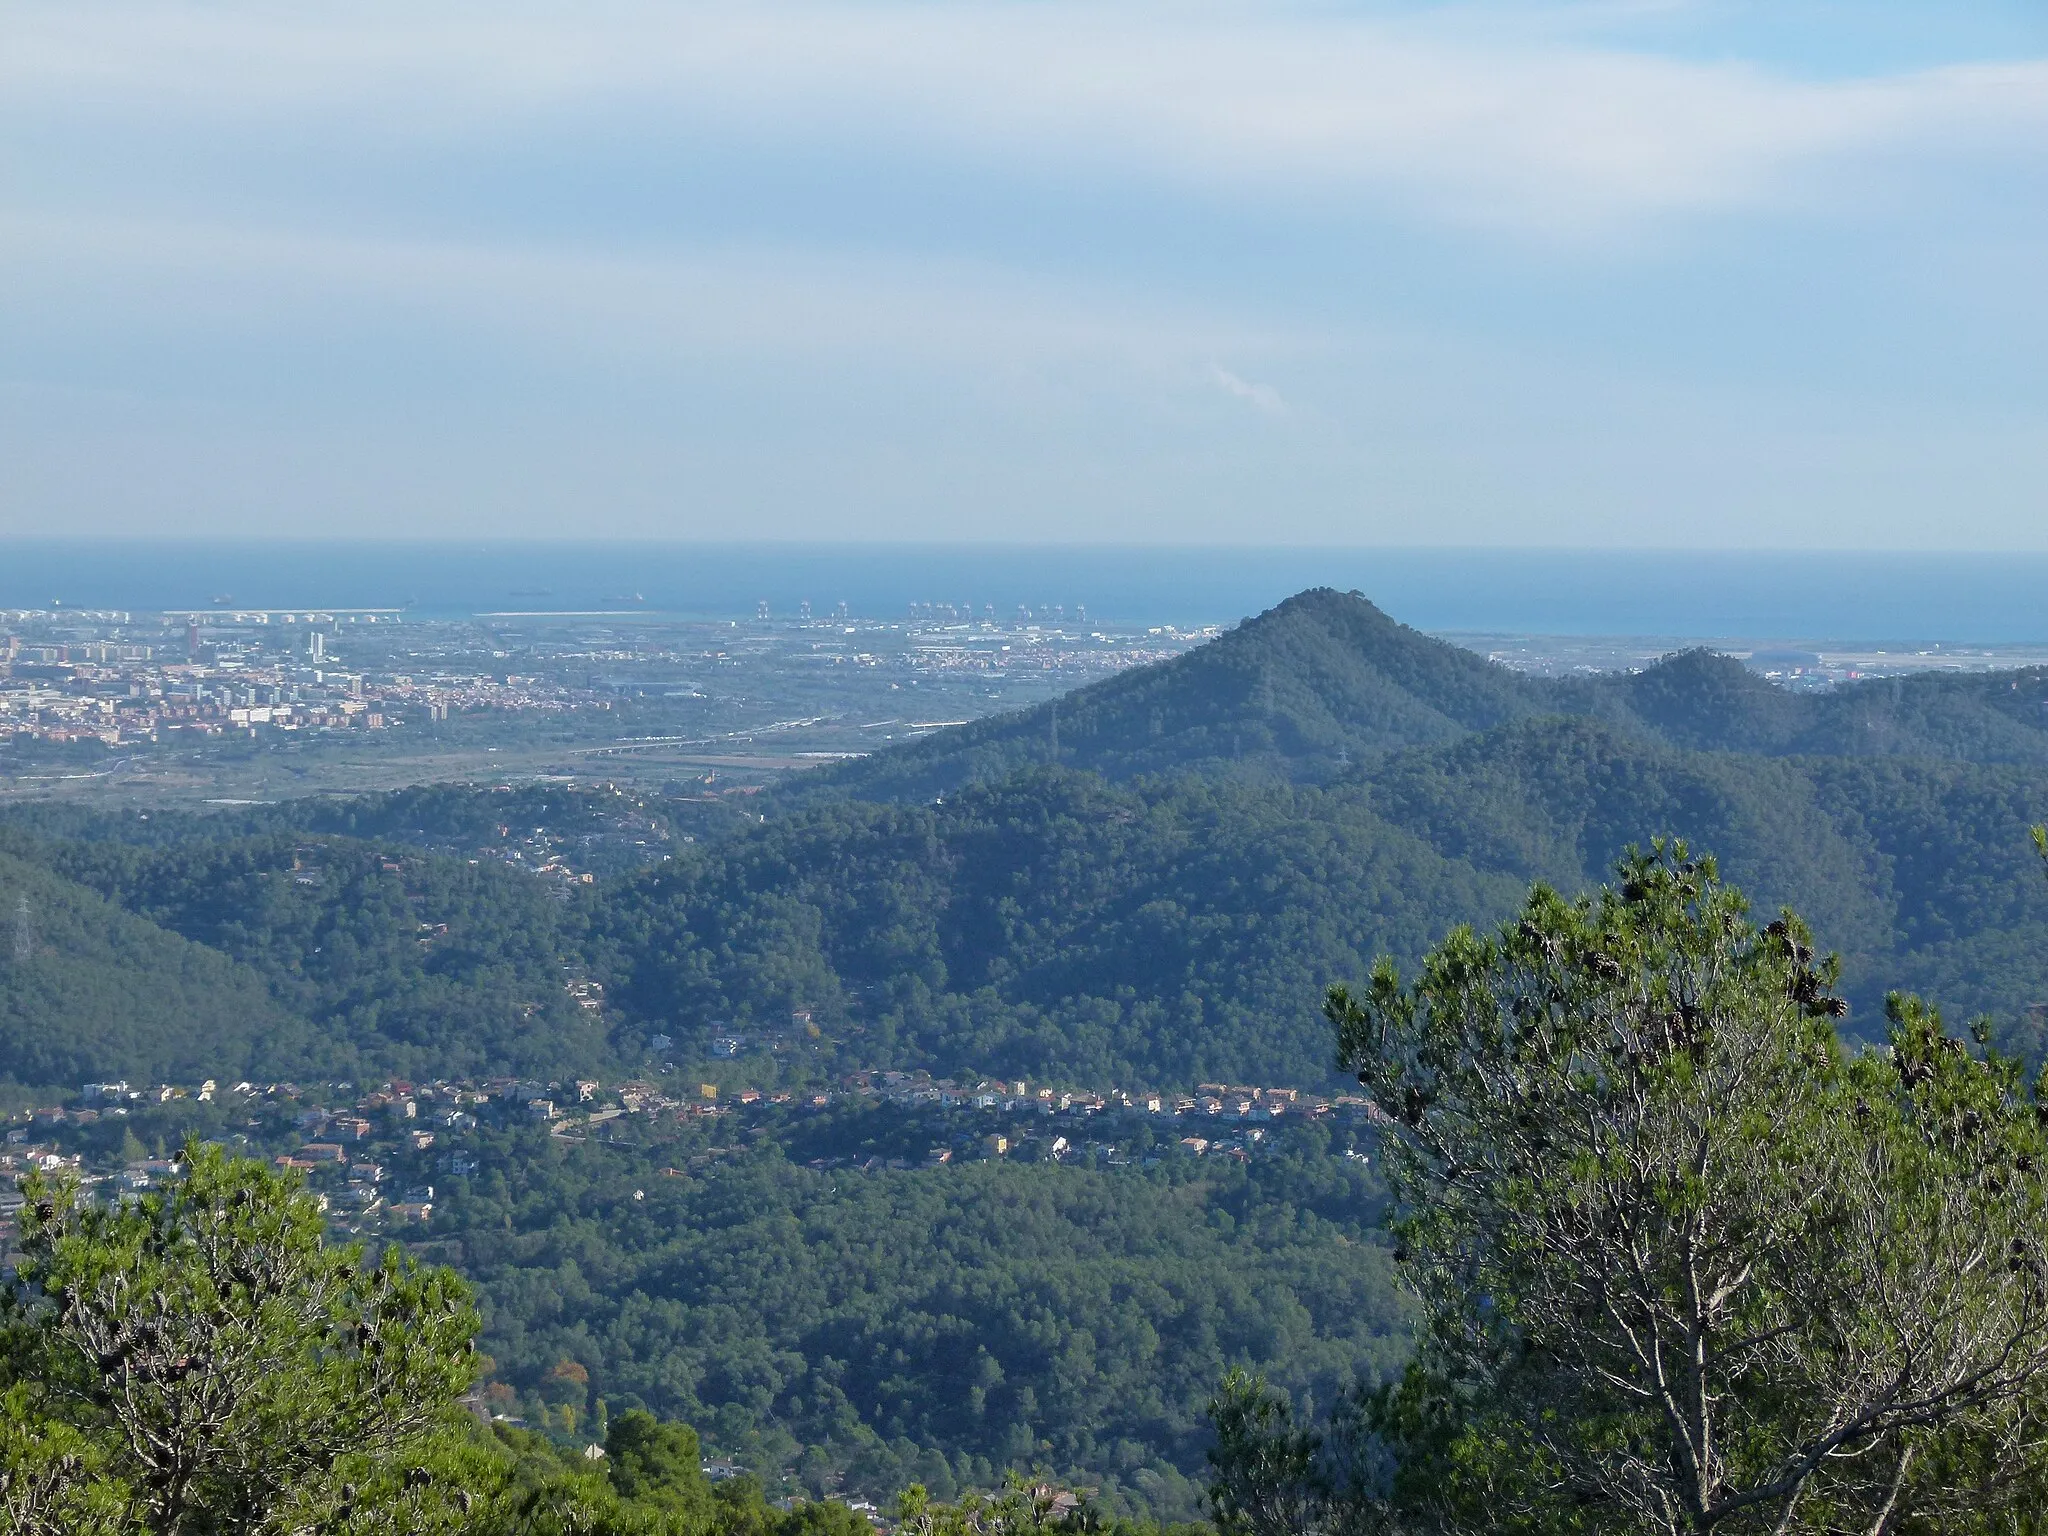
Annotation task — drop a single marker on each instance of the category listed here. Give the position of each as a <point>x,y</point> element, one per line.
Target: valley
<point>1128,896</point>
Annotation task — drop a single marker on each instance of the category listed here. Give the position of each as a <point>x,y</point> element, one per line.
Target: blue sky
<point>1621,274</point>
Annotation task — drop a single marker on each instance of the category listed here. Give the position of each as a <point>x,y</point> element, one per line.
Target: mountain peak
<point>1705,699</point>
<point>1296,692</point>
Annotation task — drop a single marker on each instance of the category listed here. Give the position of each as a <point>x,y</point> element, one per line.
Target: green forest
<point>1631,1173</point>
<point>1159,916</point>
<point>871,1330</point>
<point>1155,890</point>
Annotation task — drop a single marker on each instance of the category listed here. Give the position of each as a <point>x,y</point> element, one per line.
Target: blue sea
<point>1876,597</point>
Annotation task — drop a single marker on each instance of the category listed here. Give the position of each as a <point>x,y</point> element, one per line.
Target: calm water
<point>1960,598</point>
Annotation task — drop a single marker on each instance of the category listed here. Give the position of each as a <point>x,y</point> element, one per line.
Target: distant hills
<point>1326,681</point>
<point>1298,692</point>
<point>1180,928</point>
<point>1155,889</point>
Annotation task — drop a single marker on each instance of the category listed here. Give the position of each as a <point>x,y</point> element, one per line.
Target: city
<point>220,705</point>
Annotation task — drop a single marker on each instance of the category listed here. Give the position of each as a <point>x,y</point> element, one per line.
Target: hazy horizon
<point>1947,598</point>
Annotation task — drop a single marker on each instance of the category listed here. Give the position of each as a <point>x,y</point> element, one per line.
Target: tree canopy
<point>1685,1263</point>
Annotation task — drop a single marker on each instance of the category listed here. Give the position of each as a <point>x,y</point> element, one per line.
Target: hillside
<point>1325,680</point>
<point>90,991</point>
<point>1296,693</point>
<point>210,954</point>
<point>1224,836</point>
<point>1175,930</point>
<point>936,1324</point>
<point>1051,924</point>
<point>1714,703</point>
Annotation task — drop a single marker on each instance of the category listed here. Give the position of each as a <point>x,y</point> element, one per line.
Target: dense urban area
<point>123,679</point>
<point>221,704</point>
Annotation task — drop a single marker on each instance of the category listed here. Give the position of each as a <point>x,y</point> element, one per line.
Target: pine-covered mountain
<point>1156,876</point>
<point>1325,681</point>
<point>1296,693</point>
<point>89,990</point>
<point>1222,836</point>
<point>1175,930</point>
<point>186,948</point>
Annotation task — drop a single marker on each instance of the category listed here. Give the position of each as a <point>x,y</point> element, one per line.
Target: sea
<point>1861,597</point>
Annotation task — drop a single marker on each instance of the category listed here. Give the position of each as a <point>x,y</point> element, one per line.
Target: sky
<point>1622,273</point>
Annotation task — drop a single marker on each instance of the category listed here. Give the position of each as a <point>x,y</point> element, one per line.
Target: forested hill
<point>1222,837</point>
<point>1054,925</point>
<point>205,951</point>
<point>1327,680</point>
<point>1172,930</point>
<point>1301,690</point>
<point>85,986</point>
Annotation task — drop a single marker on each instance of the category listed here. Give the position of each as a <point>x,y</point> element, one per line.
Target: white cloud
<point>1263,396</point>
<point>1540,134</point>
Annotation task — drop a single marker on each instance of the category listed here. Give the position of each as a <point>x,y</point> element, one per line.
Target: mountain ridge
<point>1223,836</point>
<point>1304,690</point>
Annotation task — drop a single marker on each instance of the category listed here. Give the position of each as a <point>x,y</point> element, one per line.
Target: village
<point>370,1156</point>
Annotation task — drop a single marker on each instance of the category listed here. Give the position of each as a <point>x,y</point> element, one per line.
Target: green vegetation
<point>85,984</point>
<point>1172,931</point>
<point>384,960</point>
<point>1326,680</point>
<point>1220,840</point>
<point>1685,1264</point>
<point>1053,922</point>
<point>837,1325</point>
<point>928,1325</point>
<point>199,1363</point>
